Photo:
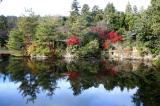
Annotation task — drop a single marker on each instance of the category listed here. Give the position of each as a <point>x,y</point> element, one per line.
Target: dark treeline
<point>6,24</point>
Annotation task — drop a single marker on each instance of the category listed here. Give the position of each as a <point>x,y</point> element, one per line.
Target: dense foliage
<point>87,31</point>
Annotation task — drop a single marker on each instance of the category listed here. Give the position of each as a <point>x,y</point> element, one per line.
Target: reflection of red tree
<point>73,40</point>
<point>72,75</point>
<point>110,71</point>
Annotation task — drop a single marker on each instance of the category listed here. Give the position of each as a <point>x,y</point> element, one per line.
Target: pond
<point>25,82</point>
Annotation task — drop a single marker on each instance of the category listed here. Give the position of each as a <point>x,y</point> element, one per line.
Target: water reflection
<point>84,79</point>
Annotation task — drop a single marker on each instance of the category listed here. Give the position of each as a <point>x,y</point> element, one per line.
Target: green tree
<point>86,15</point>
<point>3,30</point>
<point>45,36</point>
<point>75,6</point>
<point>74,14</point>
<point>75,11</point>
<point>129,17</point>
<point>135,9</point>
<point>25,30</point>
<point>128,8</point>
<point>16,40</point>
<point>154,20</point>
<point>85,9</point>
<point>97,14</point>
<point>80,26</point>
<point>145,34</point>
<point>110,16</point>
<point>3,22</point>
<point>27,25</point>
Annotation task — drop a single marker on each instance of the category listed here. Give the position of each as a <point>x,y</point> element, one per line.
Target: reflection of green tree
<point>31,82</point>
<point>3,70</point>
<point>19,72</point>
<point>90,67</point>
<point>149,89</point>
<point>87,70</point>
<point>36,76</point>
<point>47,77</point>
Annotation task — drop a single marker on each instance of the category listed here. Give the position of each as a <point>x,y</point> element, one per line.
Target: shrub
<point>90,49</point>
<point>114,37</point>
<point>73,40</point>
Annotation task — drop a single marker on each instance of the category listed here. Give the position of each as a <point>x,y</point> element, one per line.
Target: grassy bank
<point>13,52</point>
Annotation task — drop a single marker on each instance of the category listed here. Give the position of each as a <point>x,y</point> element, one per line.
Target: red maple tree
<point>73,40</point>
<point>114,37</point>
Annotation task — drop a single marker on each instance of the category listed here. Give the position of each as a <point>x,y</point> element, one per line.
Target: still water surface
<point>25,82</point>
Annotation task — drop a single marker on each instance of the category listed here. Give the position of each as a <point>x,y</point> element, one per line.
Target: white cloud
<point>60,7</point>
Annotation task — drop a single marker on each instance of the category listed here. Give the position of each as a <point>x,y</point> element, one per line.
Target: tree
<point>129,17</point>
<point>135,9</point>
<point>86,15</point>
<point>45,36</point>
<point>146,34</point>
<point>80,26</point>
<point>154,20</point>
<point>95,9</point>
<point>25,33</point>
<point>75,10</point>
<point>110,16</point>
<point>85,9</point>
<point>74,14</point>
<point>28,24</point>
<point>75,6</point>
<point>97,14</point>
<point>16,40</point>
<point>3,30</point>
<point>128,8</point>
<point>3,22</point>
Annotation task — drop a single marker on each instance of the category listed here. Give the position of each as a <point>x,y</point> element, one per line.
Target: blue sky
<point>63,96</point>
<point>59,7</point>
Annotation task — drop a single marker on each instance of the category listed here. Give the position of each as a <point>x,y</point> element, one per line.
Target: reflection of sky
<point>9,96</point>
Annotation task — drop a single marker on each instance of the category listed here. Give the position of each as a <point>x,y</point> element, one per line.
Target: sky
<point>60,7</point>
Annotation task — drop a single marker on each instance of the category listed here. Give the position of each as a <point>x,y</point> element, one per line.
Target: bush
<point>90,49</point>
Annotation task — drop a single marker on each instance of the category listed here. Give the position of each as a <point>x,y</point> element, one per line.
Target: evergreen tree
<point>45,36</point>
<point>135,9</point>
<point>75,10</point>
<point>75,6</point>
<point>25,31</point>
<point>86,15</point>
<point>110,16</point>
<point>16,40</point>
<point>3,23</point>
<point>153,14</point>
<point>97,14</point>
<point>129,17</point>
<point>128,8</point>
<point>85,9</point>
<point>155,19</point>
<point>74,14</point>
